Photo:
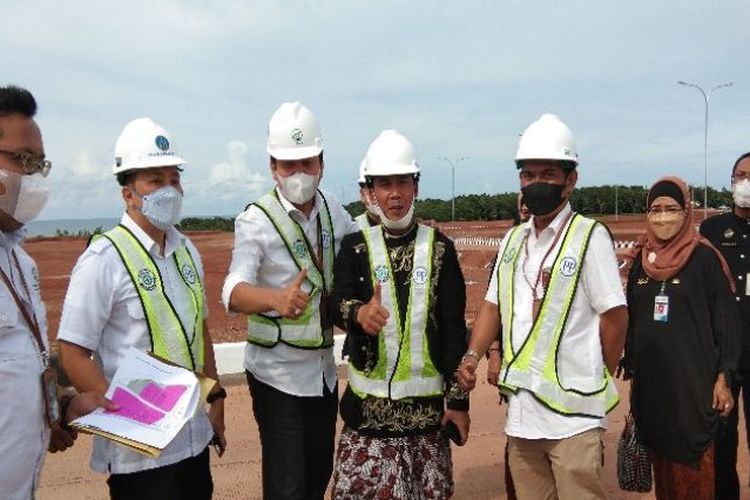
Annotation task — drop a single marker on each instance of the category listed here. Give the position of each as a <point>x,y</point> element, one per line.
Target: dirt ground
<point>477,466</point>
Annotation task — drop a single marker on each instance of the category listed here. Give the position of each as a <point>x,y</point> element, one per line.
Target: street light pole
<point>453,164</point>
<point>706,97</point>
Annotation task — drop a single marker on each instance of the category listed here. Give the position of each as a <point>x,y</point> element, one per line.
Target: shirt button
<point>744,236</point>
<point>742,256</point>
<point>739,277</point>
<point>738,299</point>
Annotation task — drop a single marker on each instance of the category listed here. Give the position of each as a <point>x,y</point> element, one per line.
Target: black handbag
<point>633,460</point>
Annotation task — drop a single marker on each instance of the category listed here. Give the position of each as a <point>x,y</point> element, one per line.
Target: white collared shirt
<point>103,313</point>
<point>600,290</point>
<point>24,434</point>
<point>260,258</point>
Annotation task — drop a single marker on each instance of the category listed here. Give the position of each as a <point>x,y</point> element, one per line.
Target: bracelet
<point>220,394</point>
<point>471,354</point>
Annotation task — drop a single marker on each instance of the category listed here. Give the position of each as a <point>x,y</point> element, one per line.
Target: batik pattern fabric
<point>415,467</point>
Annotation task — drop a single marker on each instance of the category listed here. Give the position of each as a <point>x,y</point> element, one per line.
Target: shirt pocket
<point>8,311</point>
<point>135,309</point>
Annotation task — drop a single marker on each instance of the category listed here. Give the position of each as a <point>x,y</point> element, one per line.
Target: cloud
<point>229,184</point>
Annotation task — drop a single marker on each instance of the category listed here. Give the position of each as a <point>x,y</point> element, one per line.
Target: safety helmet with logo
<point>548,138</point>
<point>144,144</point>
<point>293,133</point>
<point>390,154</point>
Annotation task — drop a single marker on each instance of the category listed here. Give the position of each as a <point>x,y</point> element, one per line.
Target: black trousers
<point>297,439</point>
<point>725,459</point>
<point>188,479</point>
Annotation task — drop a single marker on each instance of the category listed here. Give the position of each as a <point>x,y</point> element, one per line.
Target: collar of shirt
<point>294,212</point>
<point>11,239</point>
<point>548,232</point>
<point>173,241</point>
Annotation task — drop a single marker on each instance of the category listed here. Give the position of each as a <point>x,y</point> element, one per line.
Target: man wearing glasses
<point>730,233</point>
<point>29,424</point>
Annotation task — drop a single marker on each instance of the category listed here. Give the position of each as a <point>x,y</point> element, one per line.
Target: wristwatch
<point>220,394</point>
<point>471,354</point>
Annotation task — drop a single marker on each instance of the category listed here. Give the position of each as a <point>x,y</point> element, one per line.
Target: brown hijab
<point>663,259</point>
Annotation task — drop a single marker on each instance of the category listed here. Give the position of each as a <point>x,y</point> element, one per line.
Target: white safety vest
<point>306,332</point>
<point>404,368</point>
<point>534,366</point>
<point>170,339</point>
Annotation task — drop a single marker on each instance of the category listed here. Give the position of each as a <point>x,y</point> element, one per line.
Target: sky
<point>459,79</point>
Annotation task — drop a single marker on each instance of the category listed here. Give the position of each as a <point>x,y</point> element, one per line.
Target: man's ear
<point>570,180</point>
<point>128,196</point>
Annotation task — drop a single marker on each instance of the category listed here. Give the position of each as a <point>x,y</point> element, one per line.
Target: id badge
<point>661,308</point>
<point>51,403</point>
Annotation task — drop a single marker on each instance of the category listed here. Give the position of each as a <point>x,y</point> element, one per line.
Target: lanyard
<point>544,259</point>
<point>30,319</point>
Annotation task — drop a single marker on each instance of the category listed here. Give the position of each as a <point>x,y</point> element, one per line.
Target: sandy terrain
<point>237,475</point>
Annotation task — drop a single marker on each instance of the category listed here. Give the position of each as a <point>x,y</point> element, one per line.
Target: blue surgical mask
<point>162,207</point>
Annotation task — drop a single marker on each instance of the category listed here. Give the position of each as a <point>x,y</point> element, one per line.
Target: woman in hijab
<point>682,344</point>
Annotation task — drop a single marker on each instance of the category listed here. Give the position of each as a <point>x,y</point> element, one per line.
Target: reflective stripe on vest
<point>306,332</point>
<point>534,366</point>
<point>404,368</point>
<point>169,337</point>
<point>362,221</point>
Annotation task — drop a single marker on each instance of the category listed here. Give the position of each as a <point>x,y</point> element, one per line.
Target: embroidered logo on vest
<point>188,274</point>
<point>146,279</point>
<point>381,273</point>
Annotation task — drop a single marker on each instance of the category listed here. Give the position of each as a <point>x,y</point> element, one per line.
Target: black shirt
<point>730,234</point>
<point>446,332</point>
<point>675,363</point>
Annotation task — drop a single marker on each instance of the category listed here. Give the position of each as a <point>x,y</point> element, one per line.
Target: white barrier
<point>230,356</point>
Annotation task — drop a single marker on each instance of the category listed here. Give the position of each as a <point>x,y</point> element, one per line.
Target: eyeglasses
<point>668,210</point>
<point>30,163</point>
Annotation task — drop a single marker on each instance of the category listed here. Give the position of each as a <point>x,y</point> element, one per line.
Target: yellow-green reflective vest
<point>362,221</point>
<point>170,339</point>
<point>306,332</point>
<point>534,366</point>
<point>404,368</point>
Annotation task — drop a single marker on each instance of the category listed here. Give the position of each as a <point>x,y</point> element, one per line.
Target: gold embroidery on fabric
<point>397,416</point>
<point>347,306</point>
<point>456,392</point>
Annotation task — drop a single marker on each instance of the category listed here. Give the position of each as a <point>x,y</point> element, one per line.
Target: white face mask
<point>25,195</point>
<point>162,207</point>
<point>396,225</point>
<point>299,188</point>
<point>741,193</point>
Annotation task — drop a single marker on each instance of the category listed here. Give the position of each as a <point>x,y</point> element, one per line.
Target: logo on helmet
<point>297,136</point>
<point>162,142</point>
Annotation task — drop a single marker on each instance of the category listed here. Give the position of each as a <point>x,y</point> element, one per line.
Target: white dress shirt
<point>103,313</point>
<point>24,434</point>
<point>261,259</point>
<point>599,291</point>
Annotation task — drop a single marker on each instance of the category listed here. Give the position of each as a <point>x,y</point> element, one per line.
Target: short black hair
<point>14,99</point>
<point>125,178</point>
<point>734,168</point>
<point>566,165</point>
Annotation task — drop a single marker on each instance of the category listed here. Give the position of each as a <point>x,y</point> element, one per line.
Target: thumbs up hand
<point>291,301</point>
<point>373,316</point>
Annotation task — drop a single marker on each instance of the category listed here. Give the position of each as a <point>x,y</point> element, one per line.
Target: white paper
<point>156,399</point>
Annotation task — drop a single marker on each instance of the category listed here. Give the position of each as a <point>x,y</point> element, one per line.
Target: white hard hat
<point>361,179</point>
<point>293,133</point>
<point>390,154</point>
<point>144,144</point>
<point>548,138</point>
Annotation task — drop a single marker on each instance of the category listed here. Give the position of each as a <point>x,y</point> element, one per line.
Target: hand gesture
<point>467,373</point>
<point>373,316</point>
<point>291,301</point>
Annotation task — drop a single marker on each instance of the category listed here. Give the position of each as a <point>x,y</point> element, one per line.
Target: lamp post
<point>453,164</point>
<point>706,97</point>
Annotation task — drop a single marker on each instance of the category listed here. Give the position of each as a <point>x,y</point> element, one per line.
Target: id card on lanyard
<point>661,305</point>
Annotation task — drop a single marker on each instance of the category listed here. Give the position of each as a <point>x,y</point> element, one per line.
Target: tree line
<point>593,200</point>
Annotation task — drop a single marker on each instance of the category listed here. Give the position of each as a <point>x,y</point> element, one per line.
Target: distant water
<point>72,226</point>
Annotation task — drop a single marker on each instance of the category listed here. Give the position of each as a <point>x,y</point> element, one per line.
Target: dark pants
<point>297,439</point>
<point>189,479</point>
<point>727,482</point>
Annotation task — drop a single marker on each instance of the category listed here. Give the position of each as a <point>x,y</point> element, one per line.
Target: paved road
<point>477,466</point>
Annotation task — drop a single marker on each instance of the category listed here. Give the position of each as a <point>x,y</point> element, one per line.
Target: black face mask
<point>542,198</point>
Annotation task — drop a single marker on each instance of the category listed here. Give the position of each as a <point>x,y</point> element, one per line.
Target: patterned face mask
<point>162,207</point>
